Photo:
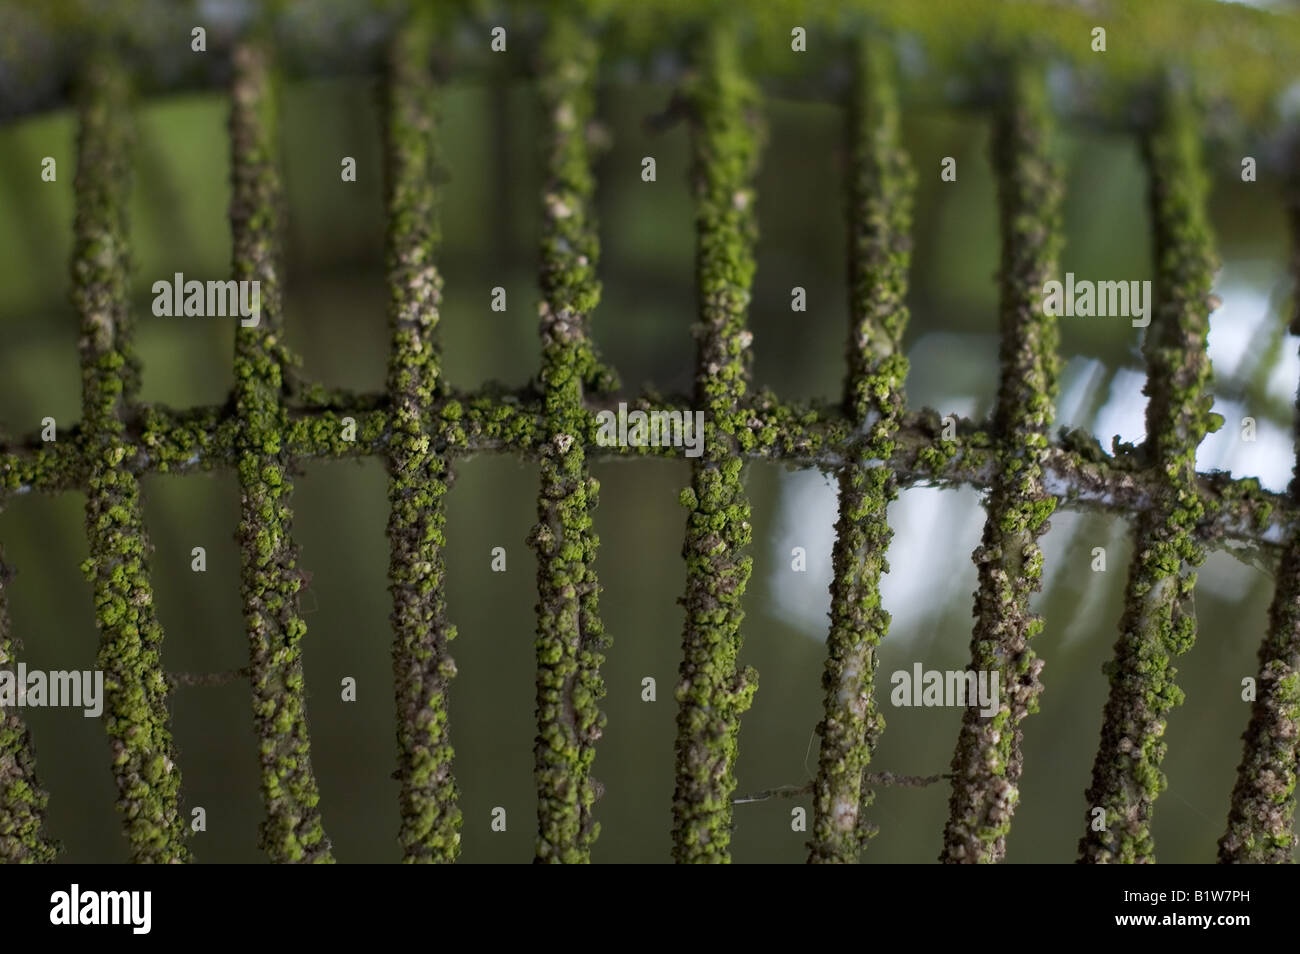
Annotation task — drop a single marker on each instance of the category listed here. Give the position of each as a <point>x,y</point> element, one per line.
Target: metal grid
<point>870,440</point>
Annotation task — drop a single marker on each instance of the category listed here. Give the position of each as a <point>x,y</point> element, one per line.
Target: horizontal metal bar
<point>1076,471</point>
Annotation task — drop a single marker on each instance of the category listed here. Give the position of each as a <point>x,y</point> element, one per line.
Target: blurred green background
<point>335,306</point>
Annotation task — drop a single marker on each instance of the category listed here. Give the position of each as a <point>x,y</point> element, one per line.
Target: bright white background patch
<point>929,556</point>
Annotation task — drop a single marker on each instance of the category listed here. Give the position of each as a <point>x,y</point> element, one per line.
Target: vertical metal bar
<point>987,763</point>
<point>135,714</point>
<point>270,577</point>
<point>880,184</point>
<point>570,636</point>
<point>1159,622</point>
<point>419,476</point>
<point>22,800</point>
<point>712,692</point>
<point>1262,817</point>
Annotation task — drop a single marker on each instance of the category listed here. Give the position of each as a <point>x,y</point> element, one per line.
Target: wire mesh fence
<point>871,441</point>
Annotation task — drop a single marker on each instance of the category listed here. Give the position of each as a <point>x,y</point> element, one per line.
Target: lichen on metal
<point>135,711</point>
<point>23,837</point>
<point>1261,820</point>
<point>881,182</point>
<point>987,763</point>
<point>570,635</point>
<point>1262,814</point>
<point>419,476</point>
<point>420,427</point>
<point>270,577</point>
<point>493,420</point>
<point>712,691</point>
<point>1159,622</point>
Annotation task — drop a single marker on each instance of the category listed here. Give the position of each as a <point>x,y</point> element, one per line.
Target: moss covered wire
<point>1261,820</point>
<point>1159,621</point>
<point>135,711</point>
<point>493,419</point>
<point>419,476</point>
<point>270,577</point>
<point>421,428</point>
<point>570,635</point>
<point>496,420</point>
<point>987,763</point>
<point>881,182</point>
<point>712,691</point>
<point>23,839</point>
